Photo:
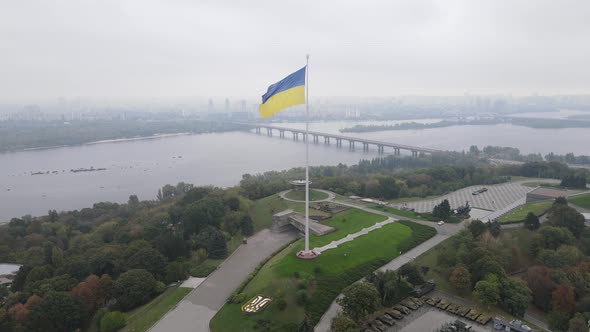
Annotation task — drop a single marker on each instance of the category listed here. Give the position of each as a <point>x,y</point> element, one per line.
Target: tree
<point>540,283</point>
<point>52,215</point>
<point>461,278</point>
<point>388,187</point>
<point>306,325</point>
<point>411,272</point>
<point>217,247</point>
<point>133,288</point>
<point>579,323</point>
<point>442,210</point>
<point>176,271</point>
<point>247,226</point>
<point>360,299</point>
<point>516,296</point>
<point>477,228</point>
<point>148,259</point>
<point>86,293</point>
<point>18,283</point>
<point>558,321</point>
<point>560,201</point>
<point>487,291</point>
<point>133,201</point>
<point>565,216</point>
<point>564,299</point>
<point>494,228</point>
<point>57,312</point>
<point>57,257</point>
<point>531,222</point>
<point>390,286</point>
<point>105,289</point>
<point>172,246</point>
<point>549,237</point>
<point>112,321</point>
<point>341,323</point>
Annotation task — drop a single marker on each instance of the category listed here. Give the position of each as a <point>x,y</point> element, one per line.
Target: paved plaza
<point>497,197</point>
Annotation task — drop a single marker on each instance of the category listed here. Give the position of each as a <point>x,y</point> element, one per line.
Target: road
<point>195,311</point>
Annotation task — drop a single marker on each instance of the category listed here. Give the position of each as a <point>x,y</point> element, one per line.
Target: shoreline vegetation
<point>18,136</point>
<point>525,122</point>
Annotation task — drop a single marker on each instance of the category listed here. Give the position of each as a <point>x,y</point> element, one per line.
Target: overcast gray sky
<point>168,48</point>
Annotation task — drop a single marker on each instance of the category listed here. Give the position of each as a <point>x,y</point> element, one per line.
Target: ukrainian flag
<point>287,92</point>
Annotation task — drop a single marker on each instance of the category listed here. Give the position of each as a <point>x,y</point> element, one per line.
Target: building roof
<point>283,213</point>
<point>548,192</point>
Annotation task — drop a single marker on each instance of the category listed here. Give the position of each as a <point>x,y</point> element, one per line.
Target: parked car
<point>441,222</point>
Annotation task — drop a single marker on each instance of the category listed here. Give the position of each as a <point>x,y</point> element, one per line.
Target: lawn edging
<point>235,295</point>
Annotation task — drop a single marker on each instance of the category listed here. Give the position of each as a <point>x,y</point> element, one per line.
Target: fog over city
<point>150,49</point>
<point>180,166</point>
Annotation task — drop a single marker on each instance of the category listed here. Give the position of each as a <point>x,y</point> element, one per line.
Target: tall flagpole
<point>307,155</point>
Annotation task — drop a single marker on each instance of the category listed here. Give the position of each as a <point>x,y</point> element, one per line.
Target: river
<point>142,166</point>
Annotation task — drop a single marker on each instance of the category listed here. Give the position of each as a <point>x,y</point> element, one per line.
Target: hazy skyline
<point>147,49</point>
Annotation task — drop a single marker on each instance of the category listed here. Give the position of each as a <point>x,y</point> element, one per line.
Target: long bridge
<point>338,139</point>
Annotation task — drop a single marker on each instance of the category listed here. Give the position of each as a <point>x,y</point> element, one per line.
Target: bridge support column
<point>326,140</point>
<point>295,136</point>
<point>414,154</point>
<point>365,147</point>
<point>339,142</point>
<point>380,148</point>
<point>316,139</point>
<point>269,131</point>
<point>281,133</point>
<point>351,145</point>
<point>258,130</point>
<point>396,152</point>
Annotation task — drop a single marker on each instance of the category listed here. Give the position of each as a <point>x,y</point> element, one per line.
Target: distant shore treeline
<point>23,135</point>
<point>525,122</point>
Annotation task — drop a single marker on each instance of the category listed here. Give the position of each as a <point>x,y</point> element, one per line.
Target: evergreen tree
<point>217,247</point>
<point>531,222</point>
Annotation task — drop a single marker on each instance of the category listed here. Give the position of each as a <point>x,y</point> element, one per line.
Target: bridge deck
<point>346,138</point>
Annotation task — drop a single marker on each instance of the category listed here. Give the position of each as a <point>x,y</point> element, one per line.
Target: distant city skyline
<point>152,49</point>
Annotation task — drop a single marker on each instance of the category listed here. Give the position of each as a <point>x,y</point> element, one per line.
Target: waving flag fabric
<point>287,92</point>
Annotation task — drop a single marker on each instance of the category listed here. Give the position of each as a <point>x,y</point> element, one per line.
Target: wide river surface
<point>141,167</point>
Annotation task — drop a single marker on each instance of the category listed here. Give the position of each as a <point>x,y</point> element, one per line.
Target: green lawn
<point>581,200</point>
<point>147,315</point>
<point>520,212</point>
<point>339,268</point>
<point>346,222</point>
<point>313,195</point>
<point>263,209</point>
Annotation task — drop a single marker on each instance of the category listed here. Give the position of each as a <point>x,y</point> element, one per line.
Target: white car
<point>441,222</point>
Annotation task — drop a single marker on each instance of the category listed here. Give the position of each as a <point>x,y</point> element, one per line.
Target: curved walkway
<point>331,196</point>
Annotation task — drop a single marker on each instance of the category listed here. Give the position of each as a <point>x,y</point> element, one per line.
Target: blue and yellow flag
<point>287,92</point>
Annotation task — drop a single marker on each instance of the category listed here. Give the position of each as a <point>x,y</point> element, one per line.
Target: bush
<point>99,315</point>
<point>317,270</point>
<point>160,287</point>
<point>281,304</point>
<point>301,297</point>
<point>302,284</point>
<point>296,275</point>
<point>133,288</point>
<point>202,270</point>
<point>112,322</point>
